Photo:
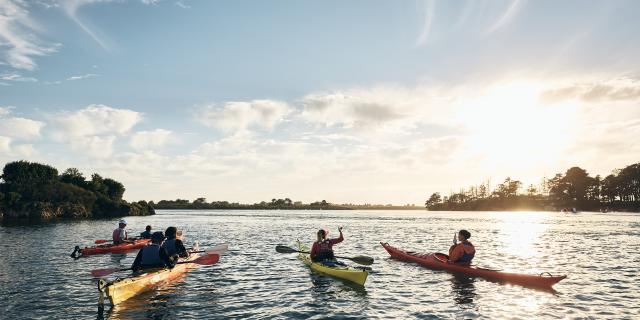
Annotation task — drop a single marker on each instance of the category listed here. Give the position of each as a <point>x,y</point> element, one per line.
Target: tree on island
<point>573,189</point>
<point>34,190</point>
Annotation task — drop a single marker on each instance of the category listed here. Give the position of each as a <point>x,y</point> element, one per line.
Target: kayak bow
<point>438,261</point>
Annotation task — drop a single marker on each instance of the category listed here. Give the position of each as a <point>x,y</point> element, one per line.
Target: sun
<point>508,127</point>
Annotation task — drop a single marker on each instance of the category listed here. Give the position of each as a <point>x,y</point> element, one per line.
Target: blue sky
<point>358,101</point>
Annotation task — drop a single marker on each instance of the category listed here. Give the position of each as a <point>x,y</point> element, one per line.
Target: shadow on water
<point>464,290</point>
<point>148,305</point>
<point>324,287</point>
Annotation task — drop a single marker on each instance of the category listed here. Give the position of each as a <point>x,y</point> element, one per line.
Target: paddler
<point>322,249</point>
<point>147,233</point>
<point>120,234</point>
<point>174,246</point>
<point>153,255</point>
<point>462,253</point>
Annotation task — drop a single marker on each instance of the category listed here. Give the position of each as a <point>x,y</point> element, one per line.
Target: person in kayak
<point>153,255</point>
<point>175,248</point>
<point>462,253</point>
<point>147,233</point>
<point>322,249</point>
<point>120,234</point>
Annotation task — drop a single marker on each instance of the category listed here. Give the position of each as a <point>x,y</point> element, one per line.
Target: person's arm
<point>168,262</point>
<point>455,253</point>
<point>314,251</point>
<point>136,263</point>
<point>338,239</point>
<point>182,251</point>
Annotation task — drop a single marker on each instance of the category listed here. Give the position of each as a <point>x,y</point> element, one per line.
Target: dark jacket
<point>152,256</point>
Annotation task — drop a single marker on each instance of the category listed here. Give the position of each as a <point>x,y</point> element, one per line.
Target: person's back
<point>146,234</point>
<point>462,253</point>
<point>120,234</point>
<point>152,255</point>
<point>174,246</point>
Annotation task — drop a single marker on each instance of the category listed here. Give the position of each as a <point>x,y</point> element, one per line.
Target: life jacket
<point>325,252</point>
<point>119,235</point>
<point>151,257</point>
<point>170,246</point>
<point>469,253</point>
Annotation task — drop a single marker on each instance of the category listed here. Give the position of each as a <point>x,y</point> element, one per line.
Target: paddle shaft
<point>348,258</point>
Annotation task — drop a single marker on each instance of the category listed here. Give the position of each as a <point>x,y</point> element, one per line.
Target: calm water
<point>599,252</point>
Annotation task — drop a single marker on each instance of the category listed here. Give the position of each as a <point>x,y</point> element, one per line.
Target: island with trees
<point>30,190</point>
<point>619,191</point>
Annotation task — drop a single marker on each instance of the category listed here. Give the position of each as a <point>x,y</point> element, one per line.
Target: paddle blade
<point>285,249</point>
<point>99,273</point>
<point>207,259</point>
<point>364,260</point>
<point>102,241</point>
<point>219,249</point>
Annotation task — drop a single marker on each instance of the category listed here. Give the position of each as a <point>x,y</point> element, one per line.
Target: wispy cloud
<point>427,7</point>
<point>71,8</point>
<point>506,16</point>
<point>16,77</point>
<point>80,77</point>
<point>18,41</point>
<point>182,5</point>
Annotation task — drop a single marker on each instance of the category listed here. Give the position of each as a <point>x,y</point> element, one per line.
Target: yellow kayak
<point>358,276</point>
<point>122,289</point>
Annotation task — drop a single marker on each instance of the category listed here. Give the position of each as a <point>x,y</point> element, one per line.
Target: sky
<point>347,101</point>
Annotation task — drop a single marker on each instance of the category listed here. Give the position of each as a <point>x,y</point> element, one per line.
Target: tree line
<point>575,188</point>
<point>282,204</point>
<point>34,190</point>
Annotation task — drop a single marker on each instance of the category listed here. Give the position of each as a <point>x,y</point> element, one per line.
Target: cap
<point>122,221</point>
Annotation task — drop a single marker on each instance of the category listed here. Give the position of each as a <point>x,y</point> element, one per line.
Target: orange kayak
<point>108,248</point>
<point>438,261</point>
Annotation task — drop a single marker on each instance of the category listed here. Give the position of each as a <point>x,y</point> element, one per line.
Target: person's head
<point>322,234</point>
<point>171,232</point>
<point>464,235</point>
<point>157,237</point>
<point>179,235</point>
<point>122,223</point>
<point>148,228</point>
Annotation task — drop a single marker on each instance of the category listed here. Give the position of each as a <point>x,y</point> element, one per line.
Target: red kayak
<point>438,261</point>
<point>109,248</point>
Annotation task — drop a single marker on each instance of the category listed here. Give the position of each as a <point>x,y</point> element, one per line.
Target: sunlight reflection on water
<point>252,281</point>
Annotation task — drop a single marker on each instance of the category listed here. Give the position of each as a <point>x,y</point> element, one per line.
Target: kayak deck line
<point>438,261</point>
<point>356,275</point>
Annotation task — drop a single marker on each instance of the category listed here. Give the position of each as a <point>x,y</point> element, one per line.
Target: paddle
<point>207,259</point>
<point>364,260</point>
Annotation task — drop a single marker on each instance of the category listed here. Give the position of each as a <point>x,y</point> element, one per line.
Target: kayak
<point>355,275</point>
<point>108,248</point>
<point>438,261</point>
<point>120,290</point>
